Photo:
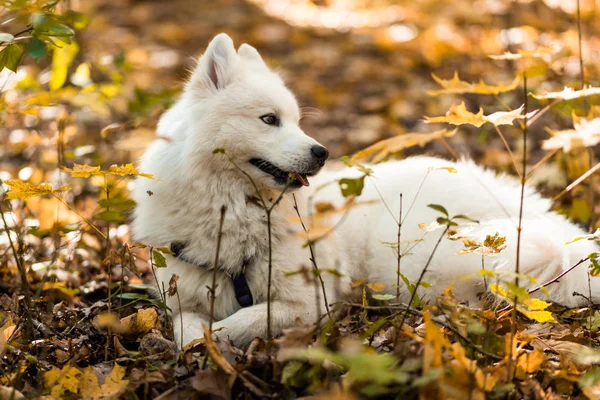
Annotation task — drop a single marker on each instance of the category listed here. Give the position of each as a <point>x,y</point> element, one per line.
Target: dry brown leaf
<point>400,142</point>
<point>215,354</point>
<point>529,363</point>
<point>143,321</point>
<point>459,115</point>
<point>455,85</point>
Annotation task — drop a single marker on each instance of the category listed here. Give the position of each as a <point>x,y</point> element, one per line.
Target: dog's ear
<point>216,66</point>
<point>251,54</point>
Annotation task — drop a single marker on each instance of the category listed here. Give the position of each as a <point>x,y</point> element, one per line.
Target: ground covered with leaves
<point>83,85</point>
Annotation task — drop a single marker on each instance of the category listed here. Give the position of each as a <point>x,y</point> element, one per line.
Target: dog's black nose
<point>320,153</point>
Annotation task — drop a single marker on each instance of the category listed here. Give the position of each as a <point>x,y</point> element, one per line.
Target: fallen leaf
<point>459,115</point>
<point>400,142</point>
<point>143,321</point>
<point>537,53</point>
<point>456,86</point>
<point>112,388</point>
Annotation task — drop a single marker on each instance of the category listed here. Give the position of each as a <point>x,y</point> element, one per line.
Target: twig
<point>398,252</point>
<point>577,181</point>
<point>554,280</point>
<point>510,153</point>
<point>581,70</point>
<point>414,293</point>
<point>513,327</point>
<point>313,260</point>
<point>215,269</point>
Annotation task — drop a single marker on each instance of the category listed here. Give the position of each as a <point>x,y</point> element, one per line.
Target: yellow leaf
<point>400,142</point>
<point>455,85</point>
<point>114,385</point>
<point>25,190</point>
<point>358,282</point>
<point>62,57</point>
<point>459,115</point>
<point>376,287</point>
<point>434,342</point>
<point>586,133</point>
<point>82,171</point>
<point>59,381</point>
<point>529,363</point>
<point>126,170</point>
<point>569,94</point>
<point>539,316</point>
<point>537,53</point>
<point>141,322</point>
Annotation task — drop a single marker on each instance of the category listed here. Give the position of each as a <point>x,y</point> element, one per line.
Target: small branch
<point>577,181</point>
<point>510,153</point>
<point>26,30</point>
<point>555,280</point>
<point>513,327</point>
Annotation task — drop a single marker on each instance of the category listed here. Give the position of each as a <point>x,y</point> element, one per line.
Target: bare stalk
<point>554,280</point>
<point>398,252</point>
<point>414,293</point>
<point>313,260</point>
<point>513,327</point>
<point>215,269</point>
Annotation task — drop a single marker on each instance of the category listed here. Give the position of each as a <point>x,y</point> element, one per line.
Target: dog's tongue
<point>302,180</point>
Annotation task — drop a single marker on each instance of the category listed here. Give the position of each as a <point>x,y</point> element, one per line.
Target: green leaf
<point>119,203</point>
<point>439,208</point>
<point>461,216</point>
<point>159,259</point>
<point>383,297</point>
<point>36,49</point>
<point>352,187</point>
<point>595,263</point>
<point>110,216</point>
<point>59,30</point>
<point>10,57</point>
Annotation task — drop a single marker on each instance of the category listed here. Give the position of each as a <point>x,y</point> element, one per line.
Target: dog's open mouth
<point>281,176</point>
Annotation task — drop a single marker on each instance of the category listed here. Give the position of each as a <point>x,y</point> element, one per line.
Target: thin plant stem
<point>510,153</point>
<point>398,252</point>
<point>313,260</point>
<point>577,181</point>
<point>513,327</point>
<point>565,272</point>
<point>414,293</point>
<point>579,40</point>
<point>215,269</point>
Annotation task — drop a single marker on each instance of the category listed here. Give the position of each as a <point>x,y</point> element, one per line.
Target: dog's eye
<point>270,119</point>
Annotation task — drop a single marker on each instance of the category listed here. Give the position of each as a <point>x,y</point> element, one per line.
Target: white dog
<point>235,103</point>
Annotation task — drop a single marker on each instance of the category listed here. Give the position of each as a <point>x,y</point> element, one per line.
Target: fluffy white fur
<point>220,108</point>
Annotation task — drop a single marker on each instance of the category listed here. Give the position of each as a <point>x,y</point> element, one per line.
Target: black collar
<point>243,294</point>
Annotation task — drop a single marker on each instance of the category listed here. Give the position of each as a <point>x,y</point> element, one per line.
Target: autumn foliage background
<point>84,82</point>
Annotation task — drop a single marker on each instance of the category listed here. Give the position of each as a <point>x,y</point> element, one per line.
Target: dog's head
<point>243,107</point>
